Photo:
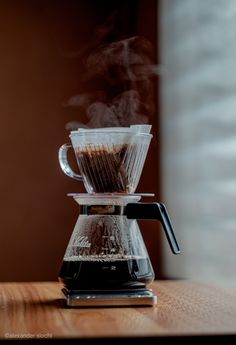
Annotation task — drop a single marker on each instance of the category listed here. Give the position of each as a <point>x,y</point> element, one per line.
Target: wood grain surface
<point>37,310</point>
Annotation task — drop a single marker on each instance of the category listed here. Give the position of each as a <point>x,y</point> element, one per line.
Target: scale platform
<point>109,298</point>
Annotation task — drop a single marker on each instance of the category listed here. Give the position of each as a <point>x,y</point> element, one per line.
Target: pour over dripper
<point>110,160</point>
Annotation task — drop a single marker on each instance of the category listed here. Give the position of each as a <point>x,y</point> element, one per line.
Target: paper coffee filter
<point>141,128</point>
<point>133,128</point>
<point>109,136</point>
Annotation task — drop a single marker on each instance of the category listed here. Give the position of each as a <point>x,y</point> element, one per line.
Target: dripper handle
<point>157,211</point>
<point>62,157</point>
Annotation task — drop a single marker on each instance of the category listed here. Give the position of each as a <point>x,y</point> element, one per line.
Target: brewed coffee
<point>118,274</point>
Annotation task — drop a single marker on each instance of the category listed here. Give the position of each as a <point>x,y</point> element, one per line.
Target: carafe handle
<point>157,211</point>
<point>62,157</point>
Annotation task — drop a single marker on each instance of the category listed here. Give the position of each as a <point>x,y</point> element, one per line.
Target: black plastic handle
<point>157,211</point>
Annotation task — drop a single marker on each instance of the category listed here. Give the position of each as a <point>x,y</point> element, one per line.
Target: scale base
<point>109,298</point>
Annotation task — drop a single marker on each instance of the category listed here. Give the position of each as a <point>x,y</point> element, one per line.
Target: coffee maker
<point>106,262</point>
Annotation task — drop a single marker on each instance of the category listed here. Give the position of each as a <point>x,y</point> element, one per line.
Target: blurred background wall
<point>198,135</point>
<point>43,47</point>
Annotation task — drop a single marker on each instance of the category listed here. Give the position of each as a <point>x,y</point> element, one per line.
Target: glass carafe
<point>106,249</point>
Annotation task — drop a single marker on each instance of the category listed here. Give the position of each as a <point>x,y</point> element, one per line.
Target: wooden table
<point>185,309</point>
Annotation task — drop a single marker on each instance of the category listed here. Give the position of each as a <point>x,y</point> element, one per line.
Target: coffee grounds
<point>105,169</point>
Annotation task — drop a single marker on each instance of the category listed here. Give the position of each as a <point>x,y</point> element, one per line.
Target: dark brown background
<point>37,77</point>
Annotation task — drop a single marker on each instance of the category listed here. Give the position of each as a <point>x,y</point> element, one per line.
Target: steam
<point>129,56</point>
<point>126,66</point>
